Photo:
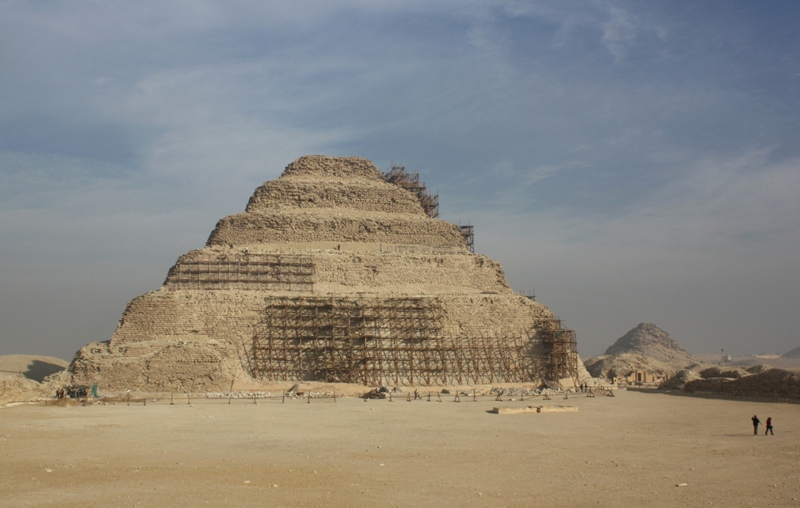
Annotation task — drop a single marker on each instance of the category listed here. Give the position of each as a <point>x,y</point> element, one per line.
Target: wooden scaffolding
<point>248,271</point>
<point>559,355</point>
<point>410,182</point>
<point>468,232</point>
<point>371,341</point>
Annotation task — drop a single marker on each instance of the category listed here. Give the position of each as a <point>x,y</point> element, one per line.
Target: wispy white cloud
<point>745,201</point>
<point>619,33</point>
<point>720,206</point>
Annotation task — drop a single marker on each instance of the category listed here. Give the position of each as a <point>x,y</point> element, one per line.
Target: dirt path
<point>631,450</point>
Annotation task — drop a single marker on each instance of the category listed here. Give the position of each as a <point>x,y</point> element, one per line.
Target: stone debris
<point>534,409</point>
<point>679,380</point>
<point>239,395</point>
<point>757,369</point>
<point>773,383</point>
<point>759,380</point>
<point>514,391</point>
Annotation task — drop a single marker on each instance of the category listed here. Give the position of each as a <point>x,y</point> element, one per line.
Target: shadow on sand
<point>38,370</point>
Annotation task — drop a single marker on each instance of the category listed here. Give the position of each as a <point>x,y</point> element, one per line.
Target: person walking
<point>756,421</point>
<point>769,426</point>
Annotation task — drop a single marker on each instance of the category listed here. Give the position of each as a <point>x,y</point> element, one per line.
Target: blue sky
<point>627,161</point>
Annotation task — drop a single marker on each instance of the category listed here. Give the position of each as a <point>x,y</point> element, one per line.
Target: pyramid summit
<point>333,199</point>
<point>334,272</point>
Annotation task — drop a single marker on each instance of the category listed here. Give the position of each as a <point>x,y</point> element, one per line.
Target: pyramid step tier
<point>299,226</point>
<point>304,194</point>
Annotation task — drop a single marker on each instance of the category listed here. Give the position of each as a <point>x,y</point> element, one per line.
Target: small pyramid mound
<point>794,354</point>
<point>650,341</point>
<point>647,348</point>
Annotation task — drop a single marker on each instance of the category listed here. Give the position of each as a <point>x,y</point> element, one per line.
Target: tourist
<point>769,426</point>
<point>756,421</point>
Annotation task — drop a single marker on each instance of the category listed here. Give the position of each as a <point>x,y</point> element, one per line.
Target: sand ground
<point>630,450</point>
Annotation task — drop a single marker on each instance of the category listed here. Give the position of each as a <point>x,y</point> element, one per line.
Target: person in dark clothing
<point>756,421</point>
<point>769,426</point>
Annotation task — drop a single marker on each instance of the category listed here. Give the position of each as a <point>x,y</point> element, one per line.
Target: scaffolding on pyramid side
<point>559,357</point>
<point>390,341</point>
<point>410,182</point>
<point>263,272</point>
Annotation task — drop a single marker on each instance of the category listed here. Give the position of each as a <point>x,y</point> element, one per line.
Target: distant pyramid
<point>794,354</point>
<point>650,341</point>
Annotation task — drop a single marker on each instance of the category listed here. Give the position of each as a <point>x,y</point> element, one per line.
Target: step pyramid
<point>335,272</point>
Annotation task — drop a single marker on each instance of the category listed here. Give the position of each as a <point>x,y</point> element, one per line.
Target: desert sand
<point>635,449</point>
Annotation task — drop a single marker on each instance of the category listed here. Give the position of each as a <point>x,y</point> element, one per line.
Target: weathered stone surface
<point>292,226</point>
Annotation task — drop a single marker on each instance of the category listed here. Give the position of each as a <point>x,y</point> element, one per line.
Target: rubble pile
<point>773,383</point>
<point>759,380</point>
